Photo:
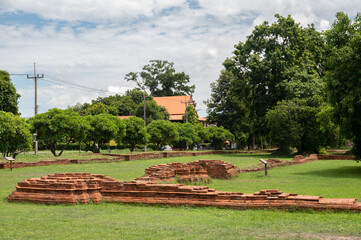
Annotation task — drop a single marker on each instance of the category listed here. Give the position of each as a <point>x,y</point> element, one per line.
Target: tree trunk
<point>254,143</point>
<point>261,142</point>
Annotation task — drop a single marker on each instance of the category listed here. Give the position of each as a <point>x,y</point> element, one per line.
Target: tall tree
<point>344,75</point>
<point>191,115</point>
<point>187,135</point>
<point>261,69</point>
<point>228,109</point>
<point>153,111</point>
<point>103,128</point>
<point>219,136</point>
<point>161,79</point>
<point>162,132</point>
<point>8,96</point>
<point>136,133</point>
<point>15,136</point>
<point>58,126</point>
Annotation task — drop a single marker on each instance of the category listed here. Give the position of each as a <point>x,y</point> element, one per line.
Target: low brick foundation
<point>165,154</point>
<point>61,188</point>
<point>334,157</point>
<point>83,188</point>
<point>202,170</point>
<point>116,158</point>
<point>272,163</point>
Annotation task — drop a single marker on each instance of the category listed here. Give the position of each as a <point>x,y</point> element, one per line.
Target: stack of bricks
<point>60,188</point>
<point>202,170</point>
<point>179,194</point>
<point>82,188</point>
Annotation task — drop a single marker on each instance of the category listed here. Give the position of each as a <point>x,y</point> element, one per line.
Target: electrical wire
<point>63,82</point>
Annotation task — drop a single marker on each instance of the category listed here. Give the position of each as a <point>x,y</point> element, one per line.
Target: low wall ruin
<point>84,188</point>
<point>202,170</point>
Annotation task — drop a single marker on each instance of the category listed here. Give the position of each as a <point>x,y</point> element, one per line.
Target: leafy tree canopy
<point>15,136</point>
<point>187,134</point>
<point>344,75</point>
<point>162,132</point>
<point>8,96</point>
<point>58,126</point>
<point>103,128</point>
<point>136,133</point>
<point>153,111</point>
<point>272,56</point>
<point>219,136</point>
<point>161,79</point>
<point>227,109</point>
<point>191,115</point>
<point>97,108</point>
<point>303,124</point>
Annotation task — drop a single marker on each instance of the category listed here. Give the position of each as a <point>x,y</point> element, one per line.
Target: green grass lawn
<point>119,221</point>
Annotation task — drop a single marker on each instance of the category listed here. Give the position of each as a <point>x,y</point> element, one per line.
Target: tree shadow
<point>341,172</point>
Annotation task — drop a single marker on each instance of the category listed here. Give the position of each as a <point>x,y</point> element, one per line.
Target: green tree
<point>15,136</point>
<point>162,132</point>
<point>302,123</point>
<point>161,79</point>
<point>57,127</point>
<point>187,134</point>
<point>202,132</point>
<point>80,108</point>
<point>191,116</point>
<point>219,136</point>
<point>343,76</point>
<point>227,109</point>
<point>153,111</point>
<point>270,57</point>
<point>8,96</point>
<point>97,108</point>
<point>136,133</point>
<point>103,128</point>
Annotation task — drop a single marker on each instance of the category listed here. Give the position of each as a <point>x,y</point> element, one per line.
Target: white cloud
<point>324,24</point>
<point>118,90</point>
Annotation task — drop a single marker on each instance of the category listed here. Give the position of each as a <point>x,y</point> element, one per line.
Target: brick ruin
<point>84,188</point>
<point>202,170</point>
<point>159,155</point>
<point>70,188</point>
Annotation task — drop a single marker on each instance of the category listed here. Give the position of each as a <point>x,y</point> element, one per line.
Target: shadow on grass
<point>341,172</point>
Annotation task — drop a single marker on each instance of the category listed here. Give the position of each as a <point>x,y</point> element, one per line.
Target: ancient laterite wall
<point>158,155</point>
<point>202,170</point>
<point>83,188</point>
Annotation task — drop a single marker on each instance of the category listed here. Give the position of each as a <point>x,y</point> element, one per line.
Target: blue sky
<point>95,43</point>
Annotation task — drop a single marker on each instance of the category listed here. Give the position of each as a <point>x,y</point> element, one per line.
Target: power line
<point>57,79</point>
<point>62,82</point>
<point>72,86</point>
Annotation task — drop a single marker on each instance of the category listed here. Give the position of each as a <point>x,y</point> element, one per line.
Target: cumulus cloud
<point>118,90</point>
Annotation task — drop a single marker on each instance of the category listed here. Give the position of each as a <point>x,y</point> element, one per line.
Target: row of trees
<point>57,128</point>
<point>293,85</point>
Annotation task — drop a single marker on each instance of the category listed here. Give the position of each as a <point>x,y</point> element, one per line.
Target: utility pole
<point>145,121</point>
<point>36,76</point>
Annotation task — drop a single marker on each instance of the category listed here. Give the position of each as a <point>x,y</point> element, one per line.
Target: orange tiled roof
<point>123,117</point>
<point>175,105</point>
